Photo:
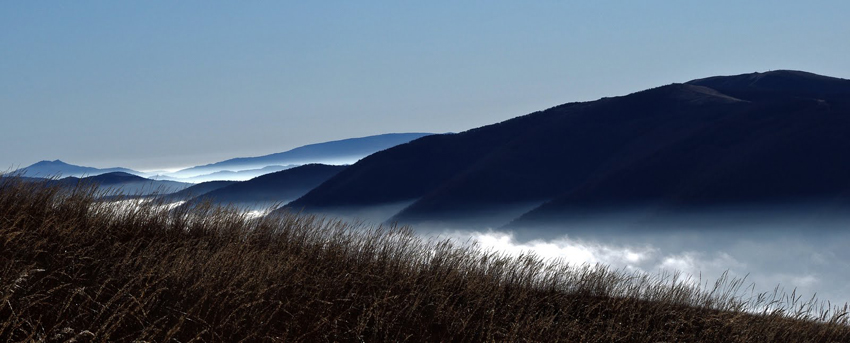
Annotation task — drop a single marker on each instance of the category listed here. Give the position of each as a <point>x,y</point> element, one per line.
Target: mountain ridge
<point>656,135</point>
<point>58,168</point>
<point>345,150</point>
<point>121,182</point>
<point>277,187</point>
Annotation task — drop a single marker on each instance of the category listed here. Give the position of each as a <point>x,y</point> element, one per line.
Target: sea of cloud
<point>788,254</point>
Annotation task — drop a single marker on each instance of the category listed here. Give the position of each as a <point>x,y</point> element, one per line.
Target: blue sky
<point>165,84</point>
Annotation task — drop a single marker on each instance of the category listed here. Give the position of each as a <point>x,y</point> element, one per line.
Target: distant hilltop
<point>57,168</point>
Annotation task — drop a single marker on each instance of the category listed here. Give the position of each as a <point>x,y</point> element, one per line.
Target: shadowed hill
<point>128,184</point>
<point>752,138</point>
<point>199,190</point>
<point>798,153</point>
<point>282,186</point>
<point>115,178</point>
<point>567,145</point>
<point>515,161</point>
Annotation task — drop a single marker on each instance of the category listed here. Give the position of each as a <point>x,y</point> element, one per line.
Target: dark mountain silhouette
<point>278,187</point>
<point>125,183</point>
<point>115,178</point>
<point>57,168</point>
<point>344,151</point>
<point>199,190</point>
<point>769,85</point>
<point>761,137</point>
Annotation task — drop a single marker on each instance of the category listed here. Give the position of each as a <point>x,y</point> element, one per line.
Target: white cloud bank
<point>801,262</point>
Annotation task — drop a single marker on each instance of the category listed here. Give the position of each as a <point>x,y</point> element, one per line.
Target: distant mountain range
<point>345,151</point>
<point>755,138</point>
<point>274,188</point>
<point>125,183</point>
<point>229,175</point>
<point>57,168</point>
<point>258,193</point>
<point>266,180</point>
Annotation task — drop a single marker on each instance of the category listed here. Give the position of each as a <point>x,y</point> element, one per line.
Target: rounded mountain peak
<point>778,81</point>
<point>682,93</point>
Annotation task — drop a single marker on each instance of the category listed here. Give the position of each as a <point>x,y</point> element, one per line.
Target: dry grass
<point>75,269</point>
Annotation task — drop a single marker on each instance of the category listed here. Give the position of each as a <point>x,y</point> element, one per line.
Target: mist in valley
<point>800,249</point>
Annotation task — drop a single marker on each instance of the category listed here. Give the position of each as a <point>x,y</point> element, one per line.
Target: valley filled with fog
<point>560,171</point>
<point>800,249</point>
<point>791,249</point>
<point>742,176</point>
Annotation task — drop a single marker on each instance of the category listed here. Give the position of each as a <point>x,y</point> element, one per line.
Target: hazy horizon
<point>163,85</point>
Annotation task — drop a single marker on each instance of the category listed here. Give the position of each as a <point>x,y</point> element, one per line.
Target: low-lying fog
<point>806,248</point>
<point>802,248</point>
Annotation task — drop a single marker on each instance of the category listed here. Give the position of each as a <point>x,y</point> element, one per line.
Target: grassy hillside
<point>75,268</point>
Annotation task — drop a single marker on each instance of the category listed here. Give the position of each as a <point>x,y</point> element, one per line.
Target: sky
<point>167,84</point>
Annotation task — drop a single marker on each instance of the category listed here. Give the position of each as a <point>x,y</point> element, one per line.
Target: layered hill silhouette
<point>229,175</point>
<point>57,168</point>
<point>125,183</point>
<point>338,152</point>
<point>754,138</point>
<point>269,189</point>
<point>197,190</point>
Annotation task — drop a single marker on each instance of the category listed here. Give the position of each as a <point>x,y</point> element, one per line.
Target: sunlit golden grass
<point>75,268</point>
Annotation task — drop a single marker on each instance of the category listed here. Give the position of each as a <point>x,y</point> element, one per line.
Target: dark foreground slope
<point>751,138</point>
<point>278,187</point>
<point>75,269</point>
